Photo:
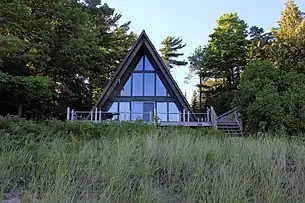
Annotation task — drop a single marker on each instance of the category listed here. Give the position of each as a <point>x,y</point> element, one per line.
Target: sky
<point>193,21</point>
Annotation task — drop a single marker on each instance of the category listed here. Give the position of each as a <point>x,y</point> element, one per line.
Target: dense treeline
<point>260,72</point>
<point>56,53</point>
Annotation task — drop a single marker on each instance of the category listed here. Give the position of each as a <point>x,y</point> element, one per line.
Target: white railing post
<point>95,117</point>
<point>100,116</point>
<point>214,117</point>
<point>208,115</point>
<point>184,115</point>
<point>72,116</point>
<point>91,115</point>
<point>150,116</point>
<point>68,113</point>
<point>156,117</point>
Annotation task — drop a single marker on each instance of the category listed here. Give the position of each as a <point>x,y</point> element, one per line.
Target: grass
<point>77,162</point>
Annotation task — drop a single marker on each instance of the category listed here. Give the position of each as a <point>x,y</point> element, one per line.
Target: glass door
<point>148,111</point>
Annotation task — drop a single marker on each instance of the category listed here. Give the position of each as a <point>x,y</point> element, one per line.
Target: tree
<point>77,44</point>
<point>271,99</point>
<point>259,43</point>
<point>195,102</point>
<point>199,67</point>
<point>287,50</point>
<point>228,45</point>
<point>290,21</point>
<point>169,51</point>
<point>219,64</point>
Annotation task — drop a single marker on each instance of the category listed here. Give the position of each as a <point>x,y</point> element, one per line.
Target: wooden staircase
<point>231,128</point>
<point>230,123</point>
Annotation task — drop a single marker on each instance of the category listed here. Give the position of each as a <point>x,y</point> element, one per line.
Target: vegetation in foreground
<point>83,162</point>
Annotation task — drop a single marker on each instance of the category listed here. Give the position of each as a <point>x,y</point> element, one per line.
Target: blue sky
<point>193,21</point>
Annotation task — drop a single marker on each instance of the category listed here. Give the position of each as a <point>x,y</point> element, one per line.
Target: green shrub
<point>271,99</point>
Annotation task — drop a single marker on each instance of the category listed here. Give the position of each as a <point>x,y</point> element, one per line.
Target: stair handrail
<point>238,120</point>
<point>228,112</point>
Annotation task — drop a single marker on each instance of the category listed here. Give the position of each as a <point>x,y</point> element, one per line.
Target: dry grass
<point>150,165</point>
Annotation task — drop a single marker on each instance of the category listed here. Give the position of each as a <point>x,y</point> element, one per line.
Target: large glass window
<point>137,110</point>
<point>162,110</point>
<point>148,111</point>
<point>124,111</point>
<point>160,89</point>
<point>126,91</point>
<point>174,114</point>
<point>148,65</point>
<point>137,84</point>
<point>149,84</point>
<point>140,65</point>
<point>114,109</point>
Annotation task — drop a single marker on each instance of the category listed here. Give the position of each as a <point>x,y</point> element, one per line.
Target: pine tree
<point>287,51</point>
<point>290,21</point>
<point>195,102</point>
<point>169,51</point>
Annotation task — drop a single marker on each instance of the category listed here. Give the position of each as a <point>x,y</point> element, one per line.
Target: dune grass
<point>73,162</point>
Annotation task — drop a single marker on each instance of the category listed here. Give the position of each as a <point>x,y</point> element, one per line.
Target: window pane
<point>137,111</point>
<point>114,109</point>
<point>148,111</point>
<point>174,114</point>
<point>126,91</point>
<point>162,110</point>
<point>124,111</point>
<point>148,65</point>
<point>140,65</point>
<point>137,84</point>
<point>160,89</point>
<point>149,84</point>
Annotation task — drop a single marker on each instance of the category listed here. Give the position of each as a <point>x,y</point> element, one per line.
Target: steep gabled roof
<point>143,40</point>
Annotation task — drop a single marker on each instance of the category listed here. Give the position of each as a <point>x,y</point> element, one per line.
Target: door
<point>148,111</point>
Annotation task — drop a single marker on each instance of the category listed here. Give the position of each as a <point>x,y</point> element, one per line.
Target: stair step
<point>227,123</point>
<point>228,127</point>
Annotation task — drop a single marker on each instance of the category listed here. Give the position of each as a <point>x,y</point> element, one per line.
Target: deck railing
<point>151,117</point>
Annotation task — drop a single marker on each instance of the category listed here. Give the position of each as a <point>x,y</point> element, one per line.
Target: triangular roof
<point>143,40</point>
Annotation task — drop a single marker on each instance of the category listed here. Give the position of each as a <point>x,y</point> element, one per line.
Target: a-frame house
<point>143,84</point>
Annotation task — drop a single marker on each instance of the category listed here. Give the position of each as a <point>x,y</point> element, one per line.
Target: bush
<point>271,99</point>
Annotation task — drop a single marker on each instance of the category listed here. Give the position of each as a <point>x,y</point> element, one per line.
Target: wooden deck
<point>187,124</point>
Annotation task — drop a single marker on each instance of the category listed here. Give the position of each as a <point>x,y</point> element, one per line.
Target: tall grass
<point>133,163</point>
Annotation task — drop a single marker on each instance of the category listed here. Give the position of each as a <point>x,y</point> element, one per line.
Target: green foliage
<point>272,100</point>
<point>287,50</point>
<point>221,61</point>
<point>228,48</point>
<point>77,45</point>
<point>30,96</point>
<point>290,21</point>
<point>259,44</point>
<point>169,51</point>
<point>195,102</point>
<point>84,162</point>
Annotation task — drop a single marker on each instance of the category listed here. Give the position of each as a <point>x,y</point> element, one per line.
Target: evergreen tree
<point>169,51</point>
<point>73,45</point>
<point>258,44</point>
<point>195,102</point>
<point>228,48</point>
<point>287,51</point>
<point>290,21</point>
